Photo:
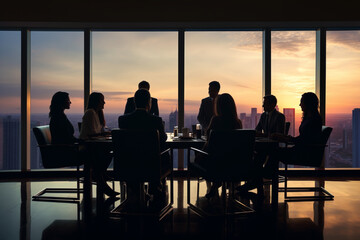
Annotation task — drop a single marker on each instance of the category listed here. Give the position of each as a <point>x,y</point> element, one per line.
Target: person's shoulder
<point>154,99</point>
<point>279,114</point>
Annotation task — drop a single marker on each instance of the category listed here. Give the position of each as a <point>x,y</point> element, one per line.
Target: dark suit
<point>130,106</point>
<point>141,119</point>
<point>273,122</point>
<point>206,112</point>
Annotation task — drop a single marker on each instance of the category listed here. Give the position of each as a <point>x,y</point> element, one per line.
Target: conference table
<point>261,144</point>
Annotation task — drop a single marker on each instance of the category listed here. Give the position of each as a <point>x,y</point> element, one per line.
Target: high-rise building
<point>290,117</point>
<point>11,143</point>
<point>253,118</point>
<point>356,137</point>
<point>173,120</point>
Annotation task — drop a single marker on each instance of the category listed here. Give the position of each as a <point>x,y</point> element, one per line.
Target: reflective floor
<point>22,218</point>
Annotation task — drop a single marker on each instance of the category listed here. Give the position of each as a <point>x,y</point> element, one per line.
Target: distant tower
<point>11,143</point>
<point>173,120</point>
<point>356,137</point>
<point>253,118</point>
<point>242,116</point>
<point>290,117</point>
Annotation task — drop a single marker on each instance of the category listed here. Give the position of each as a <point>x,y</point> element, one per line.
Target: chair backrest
<point>287,127</point>
<point>231,152</point>
<point>136,154</point>
<point>52,155</point>
<point>42,134</point>
<point>313,155</point>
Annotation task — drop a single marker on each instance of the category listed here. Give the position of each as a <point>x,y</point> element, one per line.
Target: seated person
<point>130,103</point>
<point>271,120</point>
<point>141,118</point>
<point>93,124</point>
<point>61,129</point>
<point>225,118</point>
<point>309,131</point>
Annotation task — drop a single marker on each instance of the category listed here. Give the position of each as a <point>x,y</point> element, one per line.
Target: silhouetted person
<point>206,111</point>
<point>309,131</point>
<point>141,118</point>
<point>225,118</point>
<point>130,104</point>
<point>62,131</point>
<point>271,120</point>
<point>93,124</point>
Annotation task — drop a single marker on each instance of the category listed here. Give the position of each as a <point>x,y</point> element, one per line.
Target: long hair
<point>311,101</point>
<point>225,106</point>
<point>93,103</point>
<point>58,103</point>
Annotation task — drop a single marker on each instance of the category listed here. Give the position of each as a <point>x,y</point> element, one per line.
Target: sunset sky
<point>122,59</point>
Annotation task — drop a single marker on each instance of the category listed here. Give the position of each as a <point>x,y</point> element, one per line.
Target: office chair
<point>137,158</point>
<point>231,157</point>
<point>312,157</point>
<point>57,156</point>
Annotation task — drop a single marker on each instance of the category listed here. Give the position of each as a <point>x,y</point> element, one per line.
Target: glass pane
<point>56,65</point>
<point>10,95</point>
<point>342,98</point>
<point>123,59</point>
<point>293,72</point>
<point>234,59</point>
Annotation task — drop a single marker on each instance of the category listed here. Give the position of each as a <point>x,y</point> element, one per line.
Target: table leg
<point>87,195</point>
<point>275,188</point>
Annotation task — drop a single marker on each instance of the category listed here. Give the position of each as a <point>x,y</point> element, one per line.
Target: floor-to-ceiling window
<point>234,59</point>
<point>57,64</point>
<point>10,96</point>
<point>120,60</point>
<point>293,61</point>
<point>343,98</point>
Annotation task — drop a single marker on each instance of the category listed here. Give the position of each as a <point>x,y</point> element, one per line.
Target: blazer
<point>206,112</point>
<point>62,131</point>
<point>141,119</point>
<point>130,106</point>
<point>274,124</point>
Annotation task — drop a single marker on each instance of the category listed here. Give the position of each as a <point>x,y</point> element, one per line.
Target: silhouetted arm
<point>130,106</point>
<point>155,107</point>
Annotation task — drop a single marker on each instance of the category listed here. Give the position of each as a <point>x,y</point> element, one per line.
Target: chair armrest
<point>199,151</point>
<point>165,151</point>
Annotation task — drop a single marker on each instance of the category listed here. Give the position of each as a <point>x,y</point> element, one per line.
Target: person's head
<point>225,106</point>
<point>214,88</point>
<point>144,84</point>
<point>96,101</point>
<point>309,104</point>
<point>59,102</point>
<point>269,103</point>
<point>142,99</point>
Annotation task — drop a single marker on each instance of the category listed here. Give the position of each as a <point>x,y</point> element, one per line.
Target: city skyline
<point>122,59</point>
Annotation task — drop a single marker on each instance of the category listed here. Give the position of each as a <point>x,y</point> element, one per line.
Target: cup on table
<point>198,131</point>
<point>185,132</point>
<point>176,131</point>
<point>193,129</point>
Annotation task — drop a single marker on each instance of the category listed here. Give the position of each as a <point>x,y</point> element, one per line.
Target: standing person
<point>206,111</point>
<point>271,120</point>
<point>225,118</point>
<point>141,118</point>
<point>93,123</point>
<point>130,103</point>
<point>62,131</point>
